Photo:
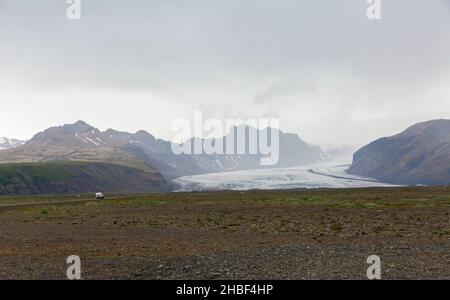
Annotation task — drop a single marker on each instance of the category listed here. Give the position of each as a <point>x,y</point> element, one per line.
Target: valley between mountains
<point>78,158</point>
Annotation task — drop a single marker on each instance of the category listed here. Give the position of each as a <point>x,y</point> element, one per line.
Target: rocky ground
<point>320,234</point>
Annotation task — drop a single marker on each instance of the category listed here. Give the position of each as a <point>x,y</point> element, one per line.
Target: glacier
<point>324,175</point>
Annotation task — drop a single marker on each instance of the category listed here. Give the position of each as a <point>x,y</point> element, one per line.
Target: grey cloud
<point>169,57</point>
<point>286,87</point>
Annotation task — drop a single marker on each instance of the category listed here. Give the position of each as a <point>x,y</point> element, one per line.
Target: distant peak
<point>7,143</point>
<point>112,131</point>
<point>81,123</point>
<point>143,133</point>
<point>80,126</point>
<point>77,127</point>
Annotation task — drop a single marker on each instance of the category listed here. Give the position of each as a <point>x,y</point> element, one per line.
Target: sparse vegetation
<point>234,230</point>
<point>66,177</point>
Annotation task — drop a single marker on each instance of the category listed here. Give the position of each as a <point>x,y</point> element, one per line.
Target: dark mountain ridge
<point>418,155</point>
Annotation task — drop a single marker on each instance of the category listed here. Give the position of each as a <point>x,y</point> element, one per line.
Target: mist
<point>321,67</point>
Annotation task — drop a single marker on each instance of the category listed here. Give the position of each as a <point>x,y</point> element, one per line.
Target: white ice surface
<point>325,175</point>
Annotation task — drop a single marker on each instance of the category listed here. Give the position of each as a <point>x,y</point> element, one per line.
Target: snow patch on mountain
<point>9,143</point>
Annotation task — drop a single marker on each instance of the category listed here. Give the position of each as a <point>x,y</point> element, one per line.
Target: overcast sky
<point>320,66</point>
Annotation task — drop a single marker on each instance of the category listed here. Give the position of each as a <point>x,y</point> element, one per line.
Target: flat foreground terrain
<point>315,234</point>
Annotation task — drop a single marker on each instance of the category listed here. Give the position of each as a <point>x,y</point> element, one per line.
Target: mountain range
<point>78,158</point>
<point>420,155</point>
<point>8,143</point>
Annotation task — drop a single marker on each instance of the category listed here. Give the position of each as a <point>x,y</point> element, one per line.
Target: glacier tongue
<point>319,176</point>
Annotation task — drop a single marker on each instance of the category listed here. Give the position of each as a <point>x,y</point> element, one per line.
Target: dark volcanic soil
<point>323,234</point>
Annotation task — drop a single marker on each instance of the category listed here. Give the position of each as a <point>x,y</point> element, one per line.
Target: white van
<point>99,196</point>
